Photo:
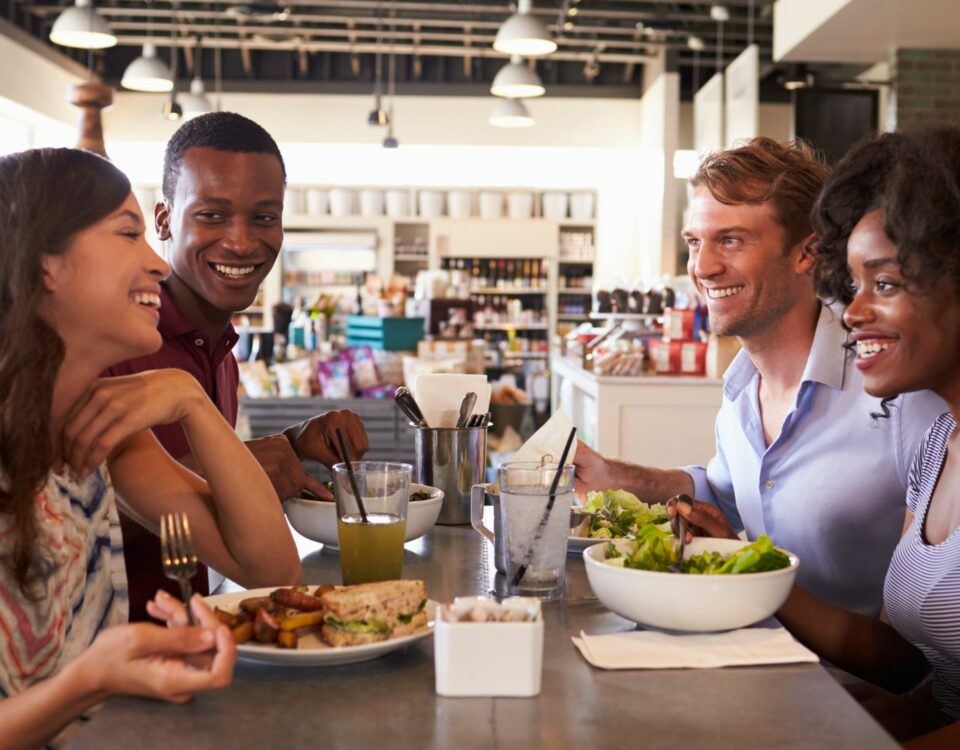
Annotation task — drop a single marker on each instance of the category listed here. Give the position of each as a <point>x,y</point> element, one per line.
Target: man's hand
<point>591,470</point>
<point>283,466</point>
<point>316,438</point>
<point>704,519</point>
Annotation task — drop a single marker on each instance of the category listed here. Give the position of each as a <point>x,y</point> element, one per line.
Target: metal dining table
<point>391,702</point>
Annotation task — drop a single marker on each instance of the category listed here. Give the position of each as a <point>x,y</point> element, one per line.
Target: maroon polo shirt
<point>213,365</point>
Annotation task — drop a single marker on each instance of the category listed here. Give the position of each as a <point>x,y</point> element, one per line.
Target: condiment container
<point>491,205</point>
<point>318,202</point>
<point>493,658</point>
<point>581,206</point>
<point>520,205</point>
<point>430,203</point>
<point>292,201</point>
<point>555,206</point>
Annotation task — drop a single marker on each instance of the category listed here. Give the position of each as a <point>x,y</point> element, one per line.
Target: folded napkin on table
<point>650,649</point>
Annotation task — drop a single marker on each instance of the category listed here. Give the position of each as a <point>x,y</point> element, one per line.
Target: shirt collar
<point>174,324</point>
<point>826,362</point>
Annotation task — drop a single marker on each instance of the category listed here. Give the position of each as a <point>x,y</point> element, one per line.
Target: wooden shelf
<point>576,261</point>
<point>573,290</point>
<point>411,258</point>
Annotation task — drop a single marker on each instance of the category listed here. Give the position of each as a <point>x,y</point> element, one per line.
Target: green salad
<point>656,549</point>
<point>621,514</point>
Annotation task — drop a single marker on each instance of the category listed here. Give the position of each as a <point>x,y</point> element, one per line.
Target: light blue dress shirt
<point>832,487</point>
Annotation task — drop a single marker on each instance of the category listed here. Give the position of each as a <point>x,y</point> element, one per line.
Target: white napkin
<point>439,396</point>
<point>548,442</point>
<point>650,649</point>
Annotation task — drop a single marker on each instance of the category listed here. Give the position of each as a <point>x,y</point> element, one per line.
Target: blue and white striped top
<point>922,589</point>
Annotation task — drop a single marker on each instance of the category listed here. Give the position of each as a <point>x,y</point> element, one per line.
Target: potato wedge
<point>287,639</point>
<point>302,620</point>
<point>242,632</point>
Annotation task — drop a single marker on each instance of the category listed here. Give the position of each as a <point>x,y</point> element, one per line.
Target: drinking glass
<point>535,531</point>
<point>372,550</point>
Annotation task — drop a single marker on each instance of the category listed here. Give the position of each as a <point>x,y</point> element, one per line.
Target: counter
<point>391,703</point>
<point>654,420</point>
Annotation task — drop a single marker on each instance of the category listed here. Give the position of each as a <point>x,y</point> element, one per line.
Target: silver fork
<point>679,527</point>
<point>177,554</point>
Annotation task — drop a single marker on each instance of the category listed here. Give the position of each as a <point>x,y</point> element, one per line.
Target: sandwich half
<point>371,612</point>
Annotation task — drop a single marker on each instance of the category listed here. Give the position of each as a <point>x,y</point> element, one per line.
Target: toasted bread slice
<point>417,622</point>
<point>383,600</point>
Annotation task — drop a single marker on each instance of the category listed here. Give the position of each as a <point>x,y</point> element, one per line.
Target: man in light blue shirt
<point>800,454</point>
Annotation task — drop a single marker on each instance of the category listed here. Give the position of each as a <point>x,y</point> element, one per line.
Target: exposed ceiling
<point>442,47</point>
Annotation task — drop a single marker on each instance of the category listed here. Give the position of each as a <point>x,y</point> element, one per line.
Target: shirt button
<point>198,342</point>
<point>769,484</point>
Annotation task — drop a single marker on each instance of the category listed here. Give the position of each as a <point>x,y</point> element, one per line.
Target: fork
<point>177,554</point>
<point>679,527</point>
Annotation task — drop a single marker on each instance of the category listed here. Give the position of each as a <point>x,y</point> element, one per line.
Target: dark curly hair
<point>223,131</point>
<point>914,178</point>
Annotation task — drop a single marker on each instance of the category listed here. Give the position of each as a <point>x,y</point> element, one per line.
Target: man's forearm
<point>652,485</point>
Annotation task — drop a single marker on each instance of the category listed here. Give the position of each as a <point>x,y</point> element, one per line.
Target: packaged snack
<point>363,367</point>
<point>255,380</point>
<point>293,378</point>
<point>335,378</point>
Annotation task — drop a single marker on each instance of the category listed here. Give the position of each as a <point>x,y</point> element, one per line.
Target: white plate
<point>580,543</point>
<point>311,650</point>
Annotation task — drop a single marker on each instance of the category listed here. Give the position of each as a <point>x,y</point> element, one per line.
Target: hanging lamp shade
<point>79,26</point>
<point>516,81</point>
<point>196,102</point>
<point>148,73</point>
<point>511,113</point>
<point>523,34</point>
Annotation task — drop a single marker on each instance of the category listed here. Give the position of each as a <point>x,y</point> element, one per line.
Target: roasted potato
<point>242,632</point>
<point>265,627</point>
<point>287,639</point>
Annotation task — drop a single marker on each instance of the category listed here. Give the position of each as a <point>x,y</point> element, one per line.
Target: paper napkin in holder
<point>652,649</point>
<point>439,396</point>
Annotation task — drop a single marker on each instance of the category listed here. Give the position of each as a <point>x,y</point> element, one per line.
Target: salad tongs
<point>678,524</point>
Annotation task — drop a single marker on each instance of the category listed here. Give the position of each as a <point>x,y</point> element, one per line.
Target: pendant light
<point>511,113</point>
<point>378,115</point>
<point>523,34</point>
<point>517,81</point>
<point>196,102</point>
<point>390,141</point>
<point>80,26</point>
<point>148,73</point>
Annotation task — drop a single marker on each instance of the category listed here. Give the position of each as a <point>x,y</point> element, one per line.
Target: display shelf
<point>625,316</point>
<point>404,258</point>
<point>516,291</point>
<point>568,318</point>
<point>512,327</point>
<point>573,290</point>
<point>576,261</point>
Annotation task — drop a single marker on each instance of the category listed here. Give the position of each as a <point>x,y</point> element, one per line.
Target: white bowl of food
<point>688,602</point>
<point>317,519</point>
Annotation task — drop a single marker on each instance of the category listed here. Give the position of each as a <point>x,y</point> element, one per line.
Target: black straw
<point>522,570</point>
<point>353,478</point>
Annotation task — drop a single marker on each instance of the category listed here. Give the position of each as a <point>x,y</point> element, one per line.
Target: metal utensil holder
<point>452,459</point>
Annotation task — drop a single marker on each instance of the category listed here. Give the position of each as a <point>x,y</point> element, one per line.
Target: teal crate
<point>392,334</point>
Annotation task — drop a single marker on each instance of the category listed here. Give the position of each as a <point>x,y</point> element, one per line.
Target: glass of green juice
<point>372,550</point>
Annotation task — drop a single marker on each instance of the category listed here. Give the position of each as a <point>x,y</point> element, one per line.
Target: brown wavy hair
<point>789,175</point>
<point>47,196</point>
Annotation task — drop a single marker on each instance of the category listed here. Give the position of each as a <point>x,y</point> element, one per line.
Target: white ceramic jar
<point>459,204</point>
<point>581,206</point>
<point>371,203</point>
<point>341,202</point>
<point>398,203</point>
<point>430,204</point>
<point>555,206</point>
<point>318,202</point>
<point>491,205</point>
<point>520,205</point>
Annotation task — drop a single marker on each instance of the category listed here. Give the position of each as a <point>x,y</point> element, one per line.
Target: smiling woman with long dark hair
<point>79,291</point>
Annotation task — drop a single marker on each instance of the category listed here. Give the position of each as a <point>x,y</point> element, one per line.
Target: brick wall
<point>926,87</point>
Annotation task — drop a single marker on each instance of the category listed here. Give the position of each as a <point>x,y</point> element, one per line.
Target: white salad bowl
<point>317,519</point>
<point>689,602</point>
